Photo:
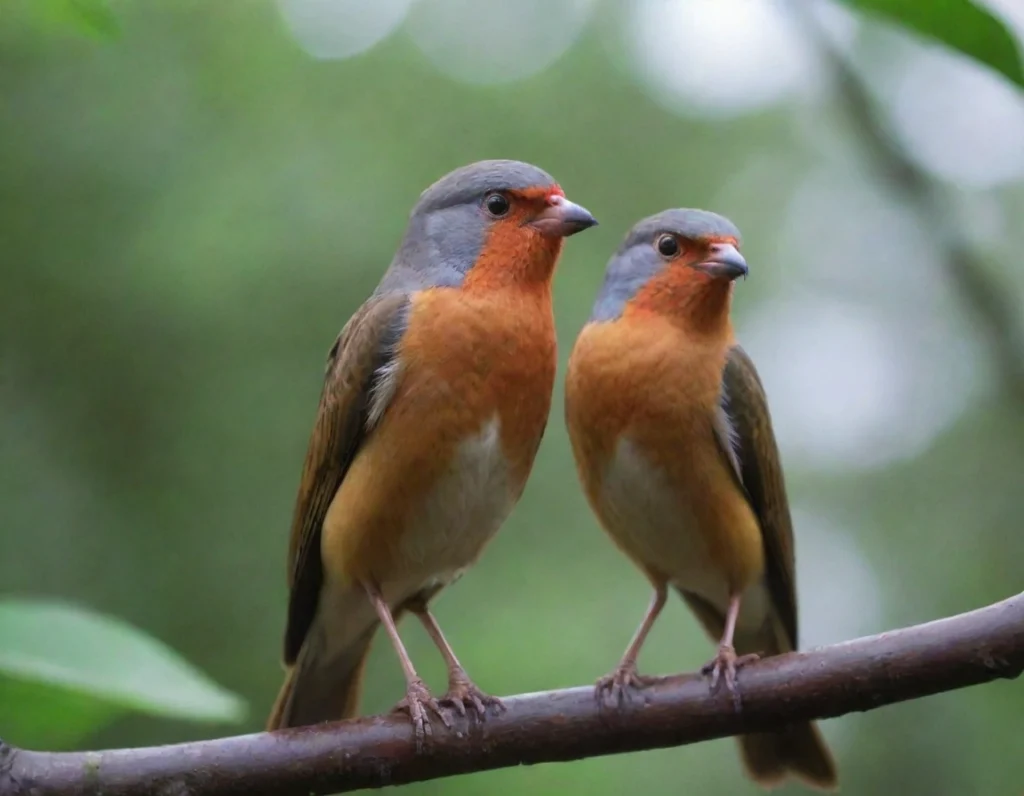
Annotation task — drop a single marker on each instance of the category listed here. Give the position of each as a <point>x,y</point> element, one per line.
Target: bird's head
<point>679,263</point>
<point>489,223</point>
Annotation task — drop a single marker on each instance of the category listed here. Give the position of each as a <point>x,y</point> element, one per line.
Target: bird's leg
<point>462,692</point>
<point>417,697</point>
<point>724,665</point>
<point>625,676</point>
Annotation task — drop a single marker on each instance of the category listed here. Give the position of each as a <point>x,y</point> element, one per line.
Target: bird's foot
<point>417,702</point>
<point>463,694</point>
<point>621,683</point>
<point>723,668</point>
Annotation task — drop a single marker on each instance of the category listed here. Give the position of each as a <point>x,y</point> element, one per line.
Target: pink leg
<point>462,692</point>
<point>724,665</point>
<point>625,676</point>
<point>417,697</point>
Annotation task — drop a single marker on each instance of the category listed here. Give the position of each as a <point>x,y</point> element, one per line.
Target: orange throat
<point>693,301</point>
<point>514,255</point>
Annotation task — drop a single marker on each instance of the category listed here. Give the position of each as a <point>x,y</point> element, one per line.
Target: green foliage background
<point>191,207</point>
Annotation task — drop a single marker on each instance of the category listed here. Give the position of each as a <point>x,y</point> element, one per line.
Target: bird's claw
<point>416,703</point>
<point>463,694</point>
<point>723,668</point>
<point>621,682</point>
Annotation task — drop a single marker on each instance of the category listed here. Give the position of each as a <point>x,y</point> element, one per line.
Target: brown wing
<point>360,354</point>
<point>745,433</point>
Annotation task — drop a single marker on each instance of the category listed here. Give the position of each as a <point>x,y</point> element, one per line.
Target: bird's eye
<point>497,205</point>
<point>668,246</point>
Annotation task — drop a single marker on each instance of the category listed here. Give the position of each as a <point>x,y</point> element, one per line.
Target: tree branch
<point>859,675</point>
<point>978,288</point>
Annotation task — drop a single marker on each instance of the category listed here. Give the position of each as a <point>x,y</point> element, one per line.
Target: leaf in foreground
<point>65,672</point>
<point>960,24</point>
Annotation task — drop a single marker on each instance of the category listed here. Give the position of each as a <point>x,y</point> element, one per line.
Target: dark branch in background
<point>859,675</point>
<point>976,285</point>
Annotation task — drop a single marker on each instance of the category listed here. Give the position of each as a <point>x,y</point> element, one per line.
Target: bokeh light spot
<point>488,41</point>
<point>331,29</point>
<point>850,387</point>
<point>721,57</point>
<point>958,119</point>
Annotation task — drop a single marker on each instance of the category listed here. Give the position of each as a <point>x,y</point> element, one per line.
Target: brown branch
<point>978,288</point>
<point>859,675</point>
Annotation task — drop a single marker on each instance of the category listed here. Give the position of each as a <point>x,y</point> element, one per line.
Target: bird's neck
<point>528,263</point>
<point>698,305</point>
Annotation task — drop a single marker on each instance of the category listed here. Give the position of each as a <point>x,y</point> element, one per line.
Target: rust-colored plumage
<point>435,399</point>
<point>674,445</point>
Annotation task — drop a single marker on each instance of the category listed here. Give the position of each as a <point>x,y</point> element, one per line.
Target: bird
<point>435,397</point>
<point>673,443</point>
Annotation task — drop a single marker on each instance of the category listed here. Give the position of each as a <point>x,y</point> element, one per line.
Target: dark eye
<point>496,204</point>
<point>667,246</point>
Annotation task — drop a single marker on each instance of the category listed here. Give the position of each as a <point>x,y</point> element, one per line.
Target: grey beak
<point>725,261</point>
<point>562,218</point>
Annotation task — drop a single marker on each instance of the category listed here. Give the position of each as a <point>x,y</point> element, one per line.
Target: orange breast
<point>640,403</point>
<point>454,448</point>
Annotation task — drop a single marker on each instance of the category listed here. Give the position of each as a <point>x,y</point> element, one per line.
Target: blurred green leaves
<point>65,672</point>
<point>91,17</point>
<point>959,24</point>
<point>194,207</point>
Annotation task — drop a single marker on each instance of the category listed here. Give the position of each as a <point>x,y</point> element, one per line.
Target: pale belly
<point>655,524</point>
<point>460,514</point>
<point>407,526</point>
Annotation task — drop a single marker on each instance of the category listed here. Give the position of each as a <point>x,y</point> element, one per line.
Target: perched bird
<point>674,446</point>
<point>435,398</point>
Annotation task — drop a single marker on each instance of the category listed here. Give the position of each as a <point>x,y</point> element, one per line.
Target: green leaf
<point>92,17</point>
<point>38,715</point>
<point>64,672</point>
<point>959,24</point>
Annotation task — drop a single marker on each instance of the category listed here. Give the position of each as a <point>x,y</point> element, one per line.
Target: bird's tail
<point>798,750</point>
<point>319,686</point>
<point>770,757</point>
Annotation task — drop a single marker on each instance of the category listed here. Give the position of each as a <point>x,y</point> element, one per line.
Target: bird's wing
<point>744,431</point>
<point>359,381</point>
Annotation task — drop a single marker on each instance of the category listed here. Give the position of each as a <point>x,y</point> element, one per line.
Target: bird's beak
<point>562,218</point>
<point>725,262</point>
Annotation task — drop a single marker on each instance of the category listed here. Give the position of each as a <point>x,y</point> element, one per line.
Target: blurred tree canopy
<point>196,196</point>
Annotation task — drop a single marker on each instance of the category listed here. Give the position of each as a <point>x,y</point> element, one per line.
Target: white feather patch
<point>465,509</point>
<point>382,390</point>
<point>656,524</point>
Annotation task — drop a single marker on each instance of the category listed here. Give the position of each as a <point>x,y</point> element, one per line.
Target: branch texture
<point>868,673</point>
